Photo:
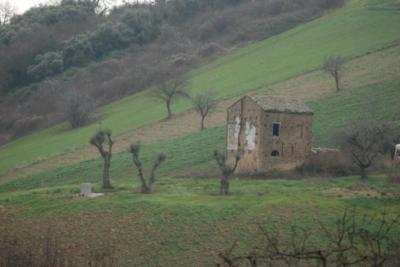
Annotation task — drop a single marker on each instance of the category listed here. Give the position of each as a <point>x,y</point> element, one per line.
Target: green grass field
<point>185,223</point>
<point>360,27</point>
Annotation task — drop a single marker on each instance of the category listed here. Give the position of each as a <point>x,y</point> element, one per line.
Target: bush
<point>77,108</point>
<point>110,36</point>
<point>46,65</point>
<point>26,125</point>
<point>394,172</point>
<point>78,50</point>
<point>326,162</point>
<point>142,26</point>
<point>209,50</point>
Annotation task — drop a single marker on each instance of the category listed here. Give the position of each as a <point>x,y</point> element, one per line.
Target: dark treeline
<point>107,54</point>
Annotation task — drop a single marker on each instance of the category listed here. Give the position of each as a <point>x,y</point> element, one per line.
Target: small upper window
<point>275,129</point>
<point>275,153</point>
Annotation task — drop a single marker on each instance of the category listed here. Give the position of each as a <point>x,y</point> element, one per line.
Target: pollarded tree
<point>170,90</point>
<point>146,185</point>
<point>103,142</point>
<point>226,170</point>
<point>333,65</point>
<point>204,103</point>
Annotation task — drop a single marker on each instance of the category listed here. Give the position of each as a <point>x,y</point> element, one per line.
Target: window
<point>275,129</point>
<point>275,153</point>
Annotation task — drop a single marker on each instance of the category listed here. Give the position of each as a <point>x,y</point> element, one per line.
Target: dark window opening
<point>275,129</point>
<point>275,153</point>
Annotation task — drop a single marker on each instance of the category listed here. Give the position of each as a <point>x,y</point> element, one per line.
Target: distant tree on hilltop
<point>333,65</point>
<point>170,90</point>
<point>204,103</point>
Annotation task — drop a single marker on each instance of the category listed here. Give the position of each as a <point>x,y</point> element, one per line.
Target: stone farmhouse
<point>269,132</point>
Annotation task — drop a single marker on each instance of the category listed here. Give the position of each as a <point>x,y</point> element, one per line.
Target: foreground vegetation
<point>185,222</point>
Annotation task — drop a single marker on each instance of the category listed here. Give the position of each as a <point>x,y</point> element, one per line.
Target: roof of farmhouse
<point>281,104</point>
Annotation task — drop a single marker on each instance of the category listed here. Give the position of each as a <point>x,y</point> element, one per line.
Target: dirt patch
<point>352,193</point>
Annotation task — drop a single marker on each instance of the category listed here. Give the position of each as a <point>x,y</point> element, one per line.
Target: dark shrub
<point>26,125</point>
<point>394,172</point>
<point>78,50</point>
<point>326,162</point>
<point>142,26</point>
<point>46,65</point>
<point>210,50</point>
<point>109,37</point>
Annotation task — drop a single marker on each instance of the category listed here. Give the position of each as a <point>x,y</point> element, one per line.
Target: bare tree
<point>364,142</point>
<point>76,107</point>
<point>170,90</point>
<point>146,186</point>
<point>103,142</point>
<point>204,103</point>
<point>226,170</point>
<point>7,11</point>
<point>353,241</point>
<point>333,66</point>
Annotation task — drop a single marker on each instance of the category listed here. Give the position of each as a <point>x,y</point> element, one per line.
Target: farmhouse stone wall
<point>243,131</point>
<point>250,132</point>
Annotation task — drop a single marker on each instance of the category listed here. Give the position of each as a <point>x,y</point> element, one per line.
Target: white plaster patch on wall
<point>250,133</point>
<point>233,134</point>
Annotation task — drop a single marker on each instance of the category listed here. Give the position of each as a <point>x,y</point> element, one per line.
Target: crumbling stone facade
<point>269,132</point>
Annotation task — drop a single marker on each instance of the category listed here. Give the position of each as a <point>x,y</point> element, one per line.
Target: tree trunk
<point>145,189</point>
<point>202,122</point>
<point>224,189</point>
<point>169,113</point>
<point>106,173</point>
<point>364,174</point>
<point>337,83</point>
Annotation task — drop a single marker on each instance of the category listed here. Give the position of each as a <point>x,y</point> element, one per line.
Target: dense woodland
<point>79,53</point>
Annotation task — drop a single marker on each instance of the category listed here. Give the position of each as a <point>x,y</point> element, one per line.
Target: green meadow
<point>185,222</point>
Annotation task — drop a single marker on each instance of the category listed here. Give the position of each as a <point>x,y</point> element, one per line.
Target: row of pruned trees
<point>104,142</point>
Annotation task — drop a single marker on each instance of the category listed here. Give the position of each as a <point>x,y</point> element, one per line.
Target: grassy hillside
<point>195,150</point>
<point>360,27</point>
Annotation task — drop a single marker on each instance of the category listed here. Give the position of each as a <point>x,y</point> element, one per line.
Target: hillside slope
<point>376,71</point>
<point>360,27</point>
